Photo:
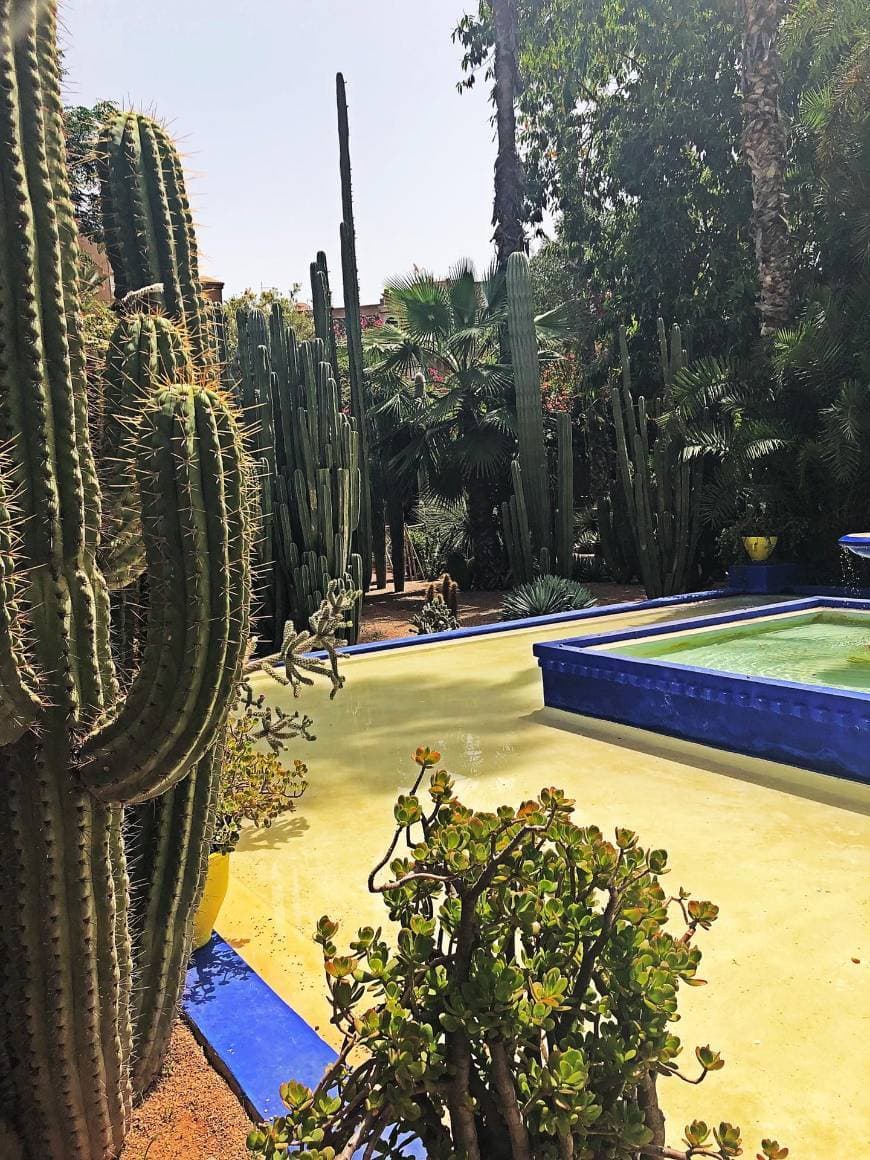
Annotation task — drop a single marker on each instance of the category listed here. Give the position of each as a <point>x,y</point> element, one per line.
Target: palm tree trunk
<point>764,145</point>
<point>488,567</point>
<point>507,216</point>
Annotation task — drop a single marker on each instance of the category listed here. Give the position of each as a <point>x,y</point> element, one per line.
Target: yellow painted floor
<point>785,853</point>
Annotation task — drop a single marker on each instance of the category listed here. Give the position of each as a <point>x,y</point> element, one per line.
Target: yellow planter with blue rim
<point>759,548</point>
<point>217,881</point>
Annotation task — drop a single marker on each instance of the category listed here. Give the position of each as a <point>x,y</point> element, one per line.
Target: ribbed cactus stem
<point>321,304</point>
<point>530,412</point>
<point>149,226</point>
<point>146,352</point>
<point>310,475</point>
<point>353,327</point>
<point>662,490</point>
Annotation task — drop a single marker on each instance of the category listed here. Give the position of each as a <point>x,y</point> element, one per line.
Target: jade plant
<point>521,1003</point>
<point>102,781</point>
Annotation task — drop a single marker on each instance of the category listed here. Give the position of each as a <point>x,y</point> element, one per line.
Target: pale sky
<point>248,88</point>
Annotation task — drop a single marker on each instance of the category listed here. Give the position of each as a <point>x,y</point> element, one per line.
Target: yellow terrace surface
<point>785,853</point>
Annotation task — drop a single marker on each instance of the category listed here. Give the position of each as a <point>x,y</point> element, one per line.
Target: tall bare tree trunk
<point>764,144</point>
<point>507,215</point>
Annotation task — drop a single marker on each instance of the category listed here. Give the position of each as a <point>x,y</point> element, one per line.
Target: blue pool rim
<point>252,1036</point>
<point>815,727</point>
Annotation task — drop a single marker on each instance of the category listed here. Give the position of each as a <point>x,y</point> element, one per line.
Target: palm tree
<point>764,144</point>
<point>463,436</point>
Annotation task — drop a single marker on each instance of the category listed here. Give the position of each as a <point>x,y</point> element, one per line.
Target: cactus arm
<point>145,352</point>
<point>195,527</point>
<point>159,237</point>
<point>149,226</point>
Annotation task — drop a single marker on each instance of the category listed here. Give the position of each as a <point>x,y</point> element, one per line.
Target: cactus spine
<point>353,326</point>
<point>73,750</point>
<point>308,452</point>
<point>538,533</point>
<point>662,490</point>
<point>148,225</point>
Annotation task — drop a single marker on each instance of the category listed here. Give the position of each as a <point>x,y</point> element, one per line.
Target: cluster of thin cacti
<point>660,487</point>
<point>108,778</point>
<point>307,455</point>
<point>447,589</point>
<point>537,521</point>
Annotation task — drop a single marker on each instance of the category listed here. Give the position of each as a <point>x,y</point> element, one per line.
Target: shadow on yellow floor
<point>785,853</point>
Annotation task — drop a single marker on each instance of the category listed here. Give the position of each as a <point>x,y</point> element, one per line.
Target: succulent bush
<point>544,596</point>
<point>434,616</point>
<point>255,787</point>
<point>523,1003</point>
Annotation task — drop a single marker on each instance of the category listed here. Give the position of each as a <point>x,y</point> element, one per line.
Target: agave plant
<point>544,596</point>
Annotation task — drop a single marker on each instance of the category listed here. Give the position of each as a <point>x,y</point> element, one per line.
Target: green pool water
<point>816,648</point>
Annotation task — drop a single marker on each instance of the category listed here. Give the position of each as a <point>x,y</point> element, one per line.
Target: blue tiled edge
<point>815,727</point>
<point>250,1035</point>
<point>253,1038</point>
<point>535,621</point>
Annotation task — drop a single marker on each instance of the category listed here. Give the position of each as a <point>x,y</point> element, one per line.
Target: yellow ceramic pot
<point>758,548</point>
<point>217,881</point>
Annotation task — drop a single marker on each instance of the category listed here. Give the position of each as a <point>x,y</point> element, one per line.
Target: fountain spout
<point>857,542</point>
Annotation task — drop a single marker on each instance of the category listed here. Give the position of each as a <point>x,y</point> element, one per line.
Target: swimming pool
<point>784,852</point>
<point>789,682</point>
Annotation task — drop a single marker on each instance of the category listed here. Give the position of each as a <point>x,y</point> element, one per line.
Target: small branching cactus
<point>521,1005</point>
<point>434,616</point>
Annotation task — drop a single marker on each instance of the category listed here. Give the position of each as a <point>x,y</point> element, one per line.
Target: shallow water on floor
<point>828,648</point>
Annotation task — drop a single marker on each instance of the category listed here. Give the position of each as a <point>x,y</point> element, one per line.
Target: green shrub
<point>524,1006</point>
<point>543,596</point>
<point>255,787</point>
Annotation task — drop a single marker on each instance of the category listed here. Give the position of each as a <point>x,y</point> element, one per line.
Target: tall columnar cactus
<point>321,303</point>
<point>537,524</point>
<point>308,452</point>
<point>661,488</point>
<point>530,411</point>
<point>359,406</point>
<point>85,998</point>
<point>148,224</point>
